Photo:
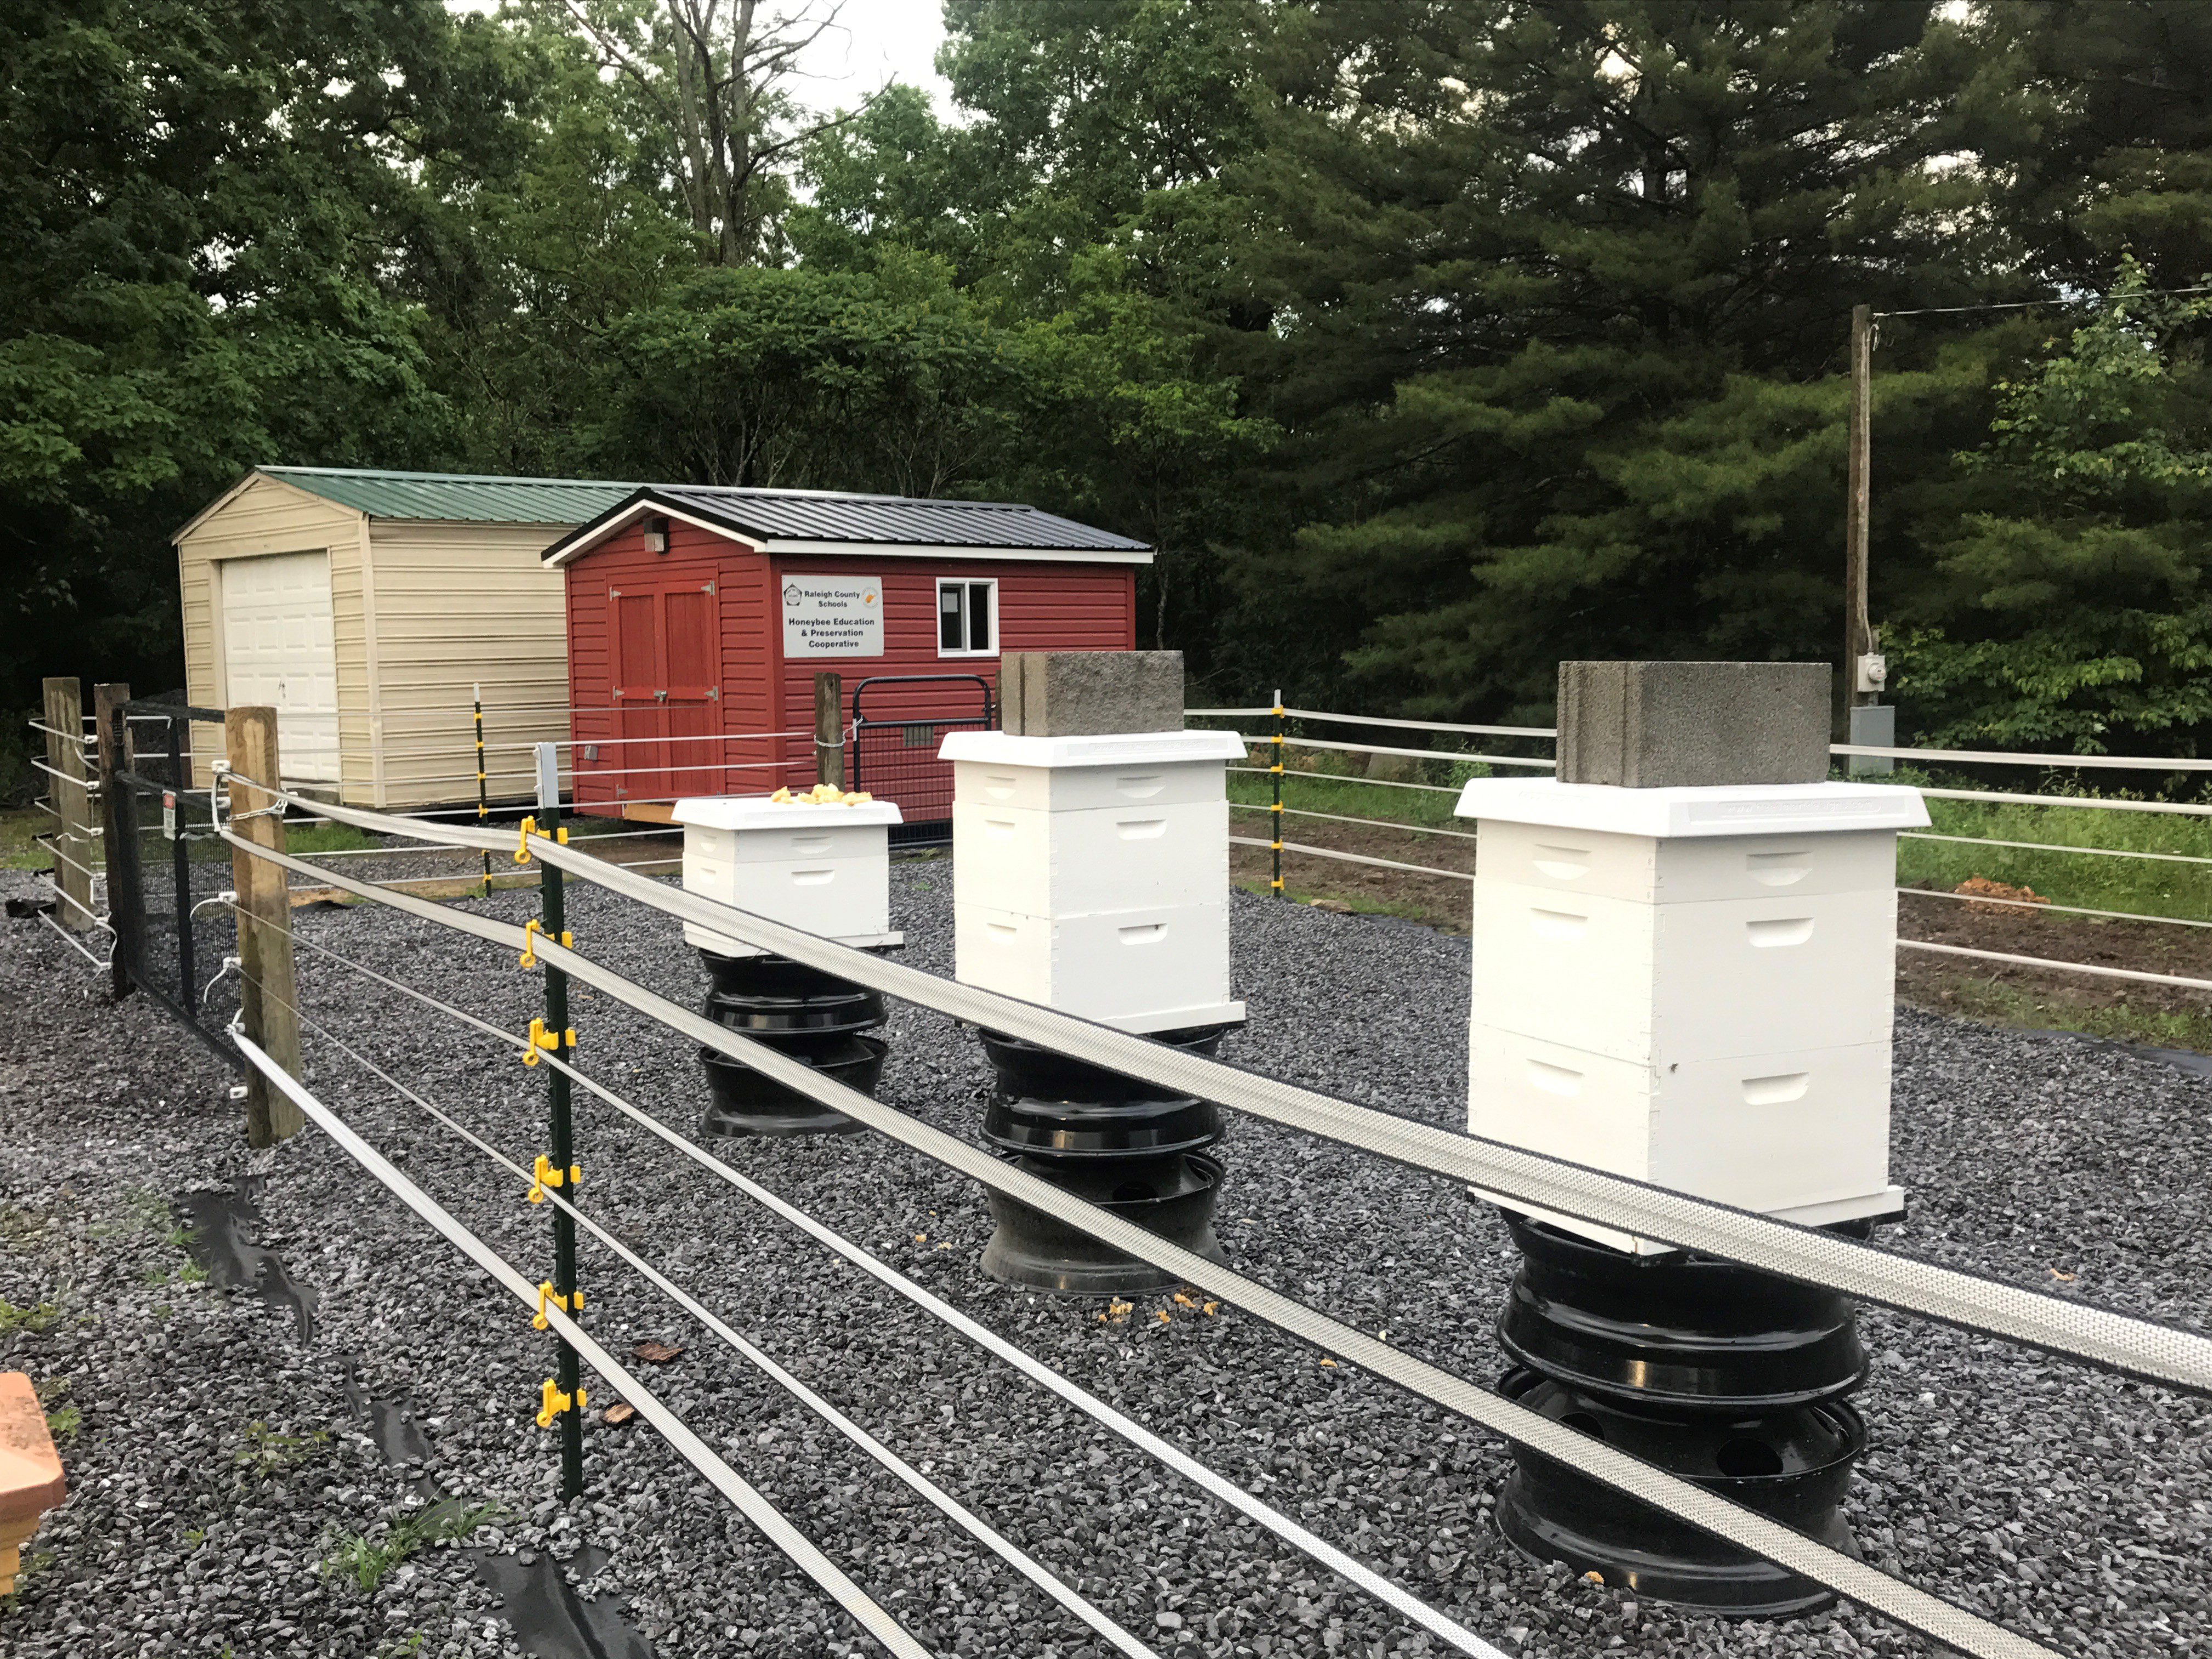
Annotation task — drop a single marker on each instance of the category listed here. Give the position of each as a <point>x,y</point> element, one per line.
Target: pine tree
<point>1561,291</point>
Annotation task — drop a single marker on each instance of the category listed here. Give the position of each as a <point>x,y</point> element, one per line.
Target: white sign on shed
<point>833,617</point>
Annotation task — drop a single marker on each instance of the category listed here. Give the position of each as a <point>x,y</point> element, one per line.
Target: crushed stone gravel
<point>217,1461</point>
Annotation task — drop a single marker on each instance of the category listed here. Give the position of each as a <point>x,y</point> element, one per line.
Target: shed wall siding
<point>626,768</point>
<point>457,605</point>
<point>1041,607</point>
<point>765,703</point>
<point>266,517</point>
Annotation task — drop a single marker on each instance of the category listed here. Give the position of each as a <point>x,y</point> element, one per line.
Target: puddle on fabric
<point>390,1422</point>
<point>550,1620</point>
<point>217,1224</point>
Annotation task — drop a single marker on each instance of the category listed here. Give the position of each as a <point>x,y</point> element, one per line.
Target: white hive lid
<point>1111,748</point>
<point>1746,809</point>
<point>759,812</point>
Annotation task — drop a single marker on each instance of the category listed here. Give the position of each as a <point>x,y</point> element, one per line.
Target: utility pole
<point>1858,628</point>
<point>1867,721</point>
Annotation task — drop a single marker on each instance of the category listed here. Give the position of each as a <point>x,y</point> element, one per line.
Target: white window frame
<point>969,583</point>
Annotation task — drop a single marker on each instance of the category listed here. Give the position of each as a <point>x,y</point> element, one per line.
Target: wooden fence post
<point>72,803</point>
<point>268,997</point>
<point>111,731</point>
<point>829,729</point>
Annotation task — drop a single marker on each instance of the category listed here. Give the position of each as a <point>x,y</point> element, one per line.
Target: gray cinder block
<point>1652,724</point>
<point>1077,694</point>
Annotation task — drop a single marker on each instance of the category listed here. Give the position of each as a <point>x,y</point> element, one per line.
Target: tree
<point>2071,606</point>
<point>889,381</point>
<point>717,74</point>
<point>1556,289</point>
<point>2113,152</point>
<point>199,197</point>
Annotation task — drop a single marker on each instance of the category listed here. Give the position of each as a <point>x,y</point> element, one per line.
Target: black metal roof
<point>806,515</point>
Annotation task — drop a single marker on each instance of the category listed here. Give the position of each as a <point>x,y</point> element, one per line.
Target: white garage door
<point>279,649</point>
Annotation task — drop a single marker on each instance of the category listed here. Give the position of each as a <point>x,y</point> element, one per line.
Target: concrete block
<point>1073,693</point>
<point>1659,725</point>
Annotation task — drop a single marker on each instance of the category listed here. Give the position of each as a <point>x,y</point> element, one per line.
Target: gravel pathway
<point>217,1462</point>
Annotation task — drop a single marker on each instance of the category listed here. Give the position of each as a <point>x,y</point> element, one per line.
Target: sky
<point>881,39</point>
<point>874,40</point>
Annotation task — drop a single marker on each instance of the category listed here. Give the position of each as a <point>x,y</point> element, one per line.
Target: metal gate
<point>894,755</point>
<point>167,866</point>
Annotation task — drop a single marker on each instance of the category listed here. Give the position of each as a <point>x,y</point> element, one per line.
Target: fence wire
<point>2140,1346</point>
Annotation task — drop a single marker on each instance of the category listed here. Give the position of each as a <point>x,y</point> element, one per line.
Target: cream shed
<point>364,606</point>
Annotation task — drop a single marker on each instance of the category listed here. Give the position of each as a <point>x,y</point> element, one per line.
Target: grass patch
<point>18,849</point>
<point>302,839</point>
<point>368,1558</point>
<point>1351,901</point>
<point>1334,790</point>
<point>2143,886</point>
<point>38,1562</point>
<point>38,1318</point>
<point>63,1422</point>
<point>2000,1003</point>
<point>267,1453</point>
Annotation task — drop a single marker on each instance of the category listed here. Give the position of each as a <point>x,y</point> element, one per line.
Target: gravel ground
<point>217,1461</point>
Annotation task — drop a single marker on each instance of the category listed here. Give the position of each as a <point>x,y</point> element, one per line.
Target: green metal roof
<point>456,495</point>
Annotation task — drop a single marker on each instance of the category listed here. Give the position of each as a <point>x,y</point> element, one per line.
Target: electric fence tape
<point>1914,1608</point>
<point>765,1516</point>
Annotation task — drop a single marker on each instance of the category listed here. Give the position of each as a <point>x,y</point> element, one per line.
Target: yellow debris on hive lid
<point>30,1471</point>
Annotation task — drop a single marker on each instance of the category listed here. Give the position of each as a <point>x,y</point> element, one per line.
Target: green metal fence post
<point>564,1403</point>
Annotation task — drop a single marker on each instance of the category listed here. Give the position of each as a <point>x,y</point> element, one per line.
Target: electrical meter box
<point>1692,987</point>
<point>1091,874</point>
<point>825,867</point>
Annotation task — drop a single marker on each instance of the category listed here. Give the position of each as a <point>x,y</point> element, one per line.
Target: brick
<point>1655,725</point>
<point>30,1470</point>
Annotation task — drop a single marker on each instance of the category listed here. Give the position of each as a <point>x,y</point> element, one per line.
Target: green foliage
<point>199,197</point>
<point>891,379</point>
<point>1559,298</point>
<point>266,1453</point>
<point>2071,610</point>
<point>1429,344</point>
<point>37,1318</point>
<point>367,1557</point>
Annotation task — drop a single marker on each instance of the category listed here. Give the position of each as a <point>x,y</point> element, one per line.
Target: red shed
<point>699,616</point>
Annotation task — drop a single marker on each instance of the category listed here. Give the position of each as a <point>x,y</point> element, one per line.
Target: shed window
<point>967,618</point>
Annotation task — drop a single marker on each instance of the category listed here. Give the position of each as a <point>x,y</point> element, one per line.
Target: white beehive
<point>824,868</point>
<point>1092,873</point>
<point>1692,987</point>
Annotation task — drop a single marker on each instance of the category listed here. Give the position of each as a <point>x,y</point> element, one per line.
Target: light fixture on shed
<point>656,534</point>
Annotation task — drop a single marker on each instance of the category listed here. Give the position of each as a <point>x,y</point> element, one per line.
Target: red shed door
<point>665,642</point>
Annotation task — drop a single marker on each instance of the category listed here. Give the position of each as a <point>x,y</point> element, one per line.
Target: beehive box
<point>1692,987</point>
<point>824,868</point>
<point>1091,874</point>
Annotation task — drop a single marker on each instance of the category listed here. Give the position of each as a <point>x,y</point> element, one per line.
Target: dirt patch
<point>1440,901</point>
<point>2175,1015</point>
